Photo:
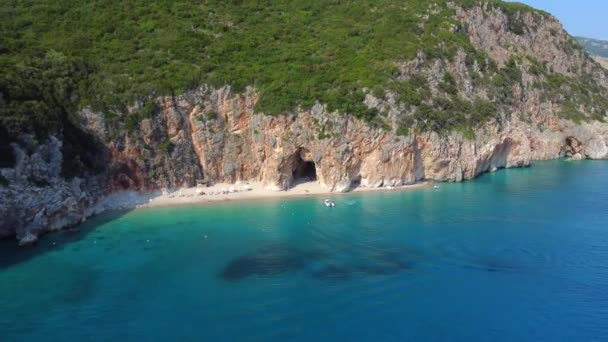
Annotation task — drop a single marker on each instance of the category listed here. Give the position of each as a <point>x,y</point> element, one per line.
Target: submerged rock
<point>276,259</point>
<point>268,260</point>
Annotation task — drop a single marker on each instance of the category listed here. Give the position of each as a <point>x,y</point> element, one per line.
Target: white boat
<point>436,186</point>
<point>329,203</point>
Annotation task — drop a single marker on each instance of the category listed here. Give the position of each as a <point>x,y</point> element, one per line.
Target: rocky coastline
<point>215,134</point>
<point>247,147</point>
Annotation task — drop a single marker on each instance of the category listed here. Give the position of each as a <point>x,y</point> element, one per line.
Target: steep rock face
<point>37,199</point>
<point>543,37</point>
<point>218,132</point>
<point>157,154</point>
<point>232,144</point>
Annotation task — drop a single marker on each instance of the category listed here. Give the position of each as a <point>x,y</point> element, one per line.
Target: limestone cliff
<point>231,144</point>
<point>215,133</point>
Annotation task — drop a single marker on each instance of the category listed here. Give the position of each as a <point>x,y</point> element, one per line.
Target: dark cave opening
<point>355,183</point>
<point>303,170</point>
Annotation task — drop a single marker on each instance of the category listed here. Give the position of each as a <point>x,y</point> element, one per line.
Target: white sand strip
<point>228,192</point>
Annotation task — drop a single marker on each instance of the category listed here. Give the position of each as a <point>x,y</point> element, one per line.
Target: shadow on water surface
<point>12,254</point>
<point>274,259</point>
<point>269,259</point>
<point>278,258</point>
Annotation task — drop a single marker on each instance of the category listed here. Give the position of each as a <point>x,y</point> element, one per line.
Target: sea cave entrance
<point>304,169</point>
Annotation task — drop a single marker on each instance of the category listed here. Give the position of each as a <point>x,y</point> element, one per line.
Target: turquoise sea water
<point>516,255</point>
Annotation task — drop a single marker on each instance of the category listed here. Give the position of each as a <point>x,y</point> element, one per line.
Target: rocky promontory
<point>538,96</point>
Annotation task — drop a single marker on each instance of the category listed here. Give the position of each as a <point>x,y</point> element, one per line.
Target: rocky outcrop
<point>37,199</point>
<point>595,148</point>
<point>492,30</point>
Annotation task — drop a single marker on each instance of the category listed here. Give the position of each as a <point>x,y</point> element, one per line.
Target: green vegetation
<point>575,94</point>
<point>455,113</point>
<point>506,78</point>
<point>413,91</point>
<point>536,67</point>
<point>570,112</point>
<point>403,131</point>
<point>448,84</point>
<point>58,55</point>
<point>212,116</point>
<point>166,146</point>
<point>39,93</point>
<point>146,111</point>
<point>3,181</point>
<point>207,117</point>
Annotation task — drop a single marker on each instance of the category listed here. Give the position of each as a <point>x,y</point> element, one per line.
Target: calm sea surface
<point>516,255</point>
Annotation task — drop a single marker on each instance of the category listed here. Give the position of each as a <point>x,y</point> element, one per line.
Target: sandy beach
<point>227,193</point>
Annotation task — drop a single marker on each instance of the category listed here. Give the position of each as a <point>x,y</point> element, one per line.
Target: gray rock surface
<point>37,199</point>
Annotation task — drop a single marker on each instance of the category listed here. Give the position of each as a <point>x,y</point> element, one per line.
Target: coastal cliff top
<point>59,56</point>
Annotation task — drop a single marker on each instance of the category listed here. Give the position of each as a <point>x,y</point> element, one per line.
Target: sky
<point>585,18</point>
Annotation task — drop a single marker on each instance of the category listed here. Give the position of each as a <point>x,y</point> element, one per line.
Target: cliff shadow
<point>12,254</point>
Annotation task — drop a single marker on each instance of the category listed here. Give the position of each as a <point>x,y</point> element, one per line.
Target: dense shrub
<point>40,92</point>
<point>296,52</point>
<point>60,55</point>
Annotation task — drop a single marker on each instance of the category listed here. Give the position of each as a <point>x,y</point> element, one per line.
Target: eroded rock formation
<point>234,144</point>
<point>38,199</point>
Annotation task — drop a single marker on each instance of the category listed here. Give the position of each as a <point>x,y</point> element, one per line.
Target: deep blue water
<point>516,255</point>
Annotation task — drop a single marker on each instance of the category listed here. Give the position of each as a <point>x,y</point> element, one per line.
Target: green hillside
<point>56,56</point>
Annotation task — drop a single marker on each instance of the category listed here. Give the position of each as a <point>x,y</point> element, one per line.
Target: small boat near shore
<point>329,203</point>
